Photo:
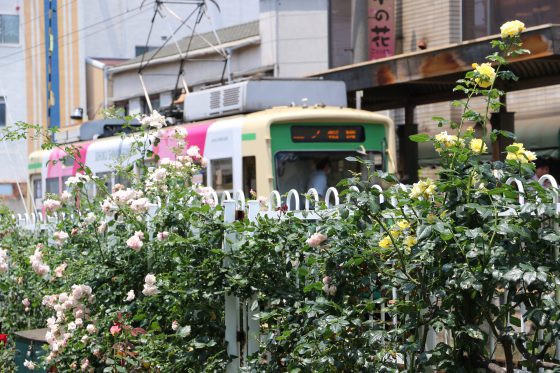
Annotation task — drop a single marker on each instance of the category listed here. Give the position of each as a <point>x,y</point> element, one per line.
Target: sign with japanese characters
<point>381,26</point>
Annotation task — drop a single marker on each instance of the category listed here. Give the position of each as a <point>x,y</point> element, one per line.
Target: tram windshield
<point>302,170</point>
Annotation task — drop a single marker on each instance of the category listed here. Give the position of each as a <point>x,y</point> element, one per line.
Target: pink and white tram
<point>265,150</point>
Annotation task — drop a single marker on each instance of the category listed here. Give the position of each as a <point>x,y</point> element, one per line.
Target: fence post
<point>231,302</point>
<point>251,308</point>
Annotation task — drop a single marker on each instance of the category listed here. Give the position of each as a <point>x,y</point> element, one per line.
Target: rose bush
<point>408,279</point>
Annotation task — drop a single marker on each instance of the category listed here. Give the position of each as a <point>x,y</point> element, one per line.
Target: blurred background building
<point>49,50</point>
<point>406,56</point>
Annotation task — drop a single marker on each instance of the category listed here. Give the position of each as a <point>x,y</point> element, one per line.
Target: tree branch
<point>533,359</point>
<point>490,366</point>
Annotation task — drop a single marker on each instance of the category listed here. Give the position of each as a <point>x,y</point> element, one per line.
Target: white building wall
<point>129,25</point>
<point>294,36</point>
<point>13,155</point>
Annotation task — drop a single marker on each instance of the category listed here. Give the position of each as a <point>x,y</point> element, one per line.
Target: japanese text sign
<point>381,27</point>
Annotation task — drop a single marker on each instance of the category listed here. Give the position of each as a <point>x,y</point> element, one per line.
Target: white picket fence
<point>242,328</point>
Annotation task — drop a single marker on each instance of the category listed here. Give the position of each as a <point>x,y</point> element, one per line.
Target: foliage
<point>134,279</point>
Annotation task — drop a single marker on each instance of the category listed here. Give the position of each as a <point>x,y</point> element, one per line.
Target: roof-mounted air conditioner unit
<point>256,95</point>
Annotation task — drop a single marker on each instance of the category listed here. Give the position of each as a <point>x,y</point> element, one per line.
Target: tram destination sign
<point>326,133</point>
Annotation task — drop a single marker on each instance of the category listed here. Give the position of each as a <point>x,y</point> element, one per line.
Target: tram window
<point>53,185</point>
<point>222,174</point>
<point>249,175</point>
<point>303,170</point>
<point>64,179</point>
<point>37,189</point>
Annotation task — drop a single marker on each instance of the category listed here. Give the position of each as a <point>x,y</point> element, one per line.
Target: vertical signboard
<point>381,28</point>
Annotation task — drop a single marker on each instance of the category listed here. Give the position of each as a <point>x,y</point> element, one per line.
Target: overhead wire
<point>226,54</point>
<point>10,119</point>
<point>150,31</point>
<point>60,38</point>
<point>67,42</point>
<point>70,33</point>
<point>43,14</point>
<point>166,41</point>
<point>180,75</point>
<point>154,54</point>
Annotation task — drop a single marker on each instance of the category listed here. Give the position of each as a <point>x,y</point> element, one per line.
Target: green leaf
<point>515,321</point>
<point>184,331</point>
<point>475,333</point>
<point>420,137</point>
<point>154,326</point>
<point>514,274</point>
<point>316,286</point>
<point>529,277</point>
<point>552,237</point>
<point>424,232</point>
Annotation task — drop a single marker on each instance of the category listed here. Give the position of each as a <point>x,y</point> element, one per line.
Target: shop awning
<point>429,76</point>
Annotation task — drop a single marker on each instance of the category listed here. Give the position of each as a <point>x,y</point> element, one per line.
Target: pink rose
<point>193,152</point>
<point>162,236</point>
<point>316,239</point>
<point>115,329</point>
<point>135,243</point>
<point>51,205</point>
<point>60,269</point>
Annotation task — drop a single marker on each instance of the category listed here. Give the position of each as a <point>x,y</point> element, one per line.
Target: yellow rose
<point>385,243</point>
<point>530,156</point>
<point>395,233</point>
<point>423,188</point>
<point>410,241</point>
<point>446,141</point>
<point>486,74</point>
<point>478,146</point>
<point>511,29</point>
<point>521,154</point>
<point>403,224</point>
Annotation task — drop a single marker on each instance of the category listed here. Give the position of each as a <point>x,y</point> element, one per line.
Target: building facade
<point>13,173</point>
<point>64,37</point>
<point>52,53</point>
<point>297,39</point>
<point>286,39</point>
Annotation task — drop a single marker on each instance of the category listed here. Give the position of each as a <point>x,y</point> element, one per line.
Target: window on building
<point>141,49</point>
<point>340,33</point>
<point>154,100</point>
<point>53,185</point>
<point>2,111</point>
<point>37,188</point>
<point>6,190</point>
<point>484,17</point>
<point>9,29</point>
<point>121,107</point>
